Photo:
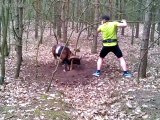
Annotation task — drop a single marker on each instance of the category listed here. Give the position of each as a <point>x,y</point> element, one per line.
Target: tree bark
<point>77,14</point>
<point>42,24</point>
<point>37,8</point>
<point>110,8</point>
<point>132,38</point>
<point>96,19</point>
<point>64,21</point>
<point>152,33</point>
<point>19,32</point>
<point>4,21</point>
<point>117,8</point>
<point>158,28</point>
<point>59,22</point>
<point>145,40</point>
<point>138,19</point>
<point>122,12</point>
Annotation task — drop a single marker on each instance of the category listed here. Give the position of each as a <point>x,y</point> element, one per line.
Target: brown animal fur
<point>66,57</point>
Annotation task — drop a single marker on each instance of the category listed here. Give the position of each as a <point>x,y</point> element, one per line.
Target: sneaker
<point>127,74</point>
<point>97,74</point>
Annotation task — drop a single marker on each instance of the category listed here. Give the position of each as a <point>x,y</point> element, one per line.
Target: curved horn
<point>81,57</point>
<point>73,57</point>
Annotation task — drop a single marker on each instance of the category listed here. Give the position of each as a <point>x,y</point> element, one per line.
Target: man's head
<point>105,18</point>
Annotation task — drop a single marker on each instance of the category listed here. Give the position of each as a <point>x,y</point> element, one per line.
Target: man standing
<point>110,44</point>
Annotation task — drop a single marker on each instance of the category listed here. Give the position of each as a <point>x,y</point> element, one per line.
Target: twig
<point>8,118</point>
<point>81,32</point>
<point>54,72</point>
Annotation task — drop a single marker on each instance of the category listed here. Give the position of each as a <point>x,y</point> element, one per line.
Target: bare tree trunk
<point>110,8</point>
<point>138,19</point>
<point>42,28</point>
<point>158,28</point>
<point>19,32</point>
<point>2,47</point>
<point>37,7</point>
<point>73,15</point>
<point>132,38</point>
<point>64,19</point>
<point>5,22</point>
<point>42,24</point>
<point>55,11</point>
<point>0,31</point>
<point>152,33</point>
<point>94,45</point>
<point>145,40</point>
<point>137,30</point>
<point>122,12</point>
<point>77,14</point>
<point>120,8</point>
<point>59,22</point>
<point>64,35</point>
<point>117,8</point>
<point>0,28</point>
<point>153,10</point>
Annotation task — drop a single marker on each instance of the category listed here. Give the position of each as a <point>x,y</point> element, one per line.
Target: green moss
<point>59,103</point>
<point>5,109</point>
<point>37,111</point>
<point>53,108</point>
<point>57,115</point>
<point>44,97</point>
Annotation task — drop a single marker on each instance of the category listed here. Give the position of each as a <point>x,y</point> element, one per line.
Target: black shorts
<point>115,49</point>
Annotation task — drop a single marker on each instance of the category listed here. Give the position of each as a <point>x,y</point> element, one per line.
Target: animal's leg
<point>71,65</point>
<point>65,66</point>
<point>55,60</point>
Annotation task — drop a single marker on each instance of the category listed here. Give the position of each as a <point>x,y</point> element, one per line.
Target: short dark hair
<point>105,17</point>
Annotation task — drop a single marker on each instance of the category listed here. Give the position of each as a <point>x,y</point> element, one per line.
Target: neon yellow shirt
<point>109,31</point>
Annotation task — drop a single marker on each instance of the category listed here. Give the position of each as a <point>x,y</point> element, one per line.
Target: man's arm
<point>123,23</point>
<point>98,30</point>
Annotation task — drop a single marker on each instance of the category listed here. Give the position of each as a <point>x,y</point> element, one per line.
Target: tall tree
<point>145,39</point>
<point>18,33</point>
<point>77,13</point>
<point>5,23</point>
<point>158,27</point>
<point>65,8</point>
<point>58,19</point>
<point>42,23</point>
<point>122,13</point>
<point>110,8</point>
<point>117,10</point>
<point>153,10</point>
<point>96,19</point>
<point>138,18</point>
<point>37,5</point>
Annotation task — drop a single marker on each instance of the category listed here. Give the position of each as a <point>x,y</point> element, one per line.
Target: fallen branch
<point>54,72</point>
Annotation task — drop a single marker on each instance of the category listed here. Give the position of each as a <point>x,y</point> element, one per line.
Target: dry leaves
<point>77,94</point>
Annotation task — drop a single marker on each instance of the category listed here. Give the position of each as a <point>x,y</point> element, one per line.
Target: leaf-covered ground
<point>77,95</point>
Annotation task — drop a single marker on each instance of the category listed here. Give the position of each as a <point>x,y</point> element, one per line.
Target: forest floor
<point>76,94</point>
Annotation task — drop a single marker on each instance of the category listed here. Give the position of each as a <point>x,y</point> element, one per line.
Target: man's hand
<point>123,20</point>
<point>102,22</point>
<point>123,23</point>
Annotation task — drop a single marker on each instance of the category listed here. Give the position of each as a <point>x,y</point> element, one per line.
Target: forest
<point>33,86</point>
